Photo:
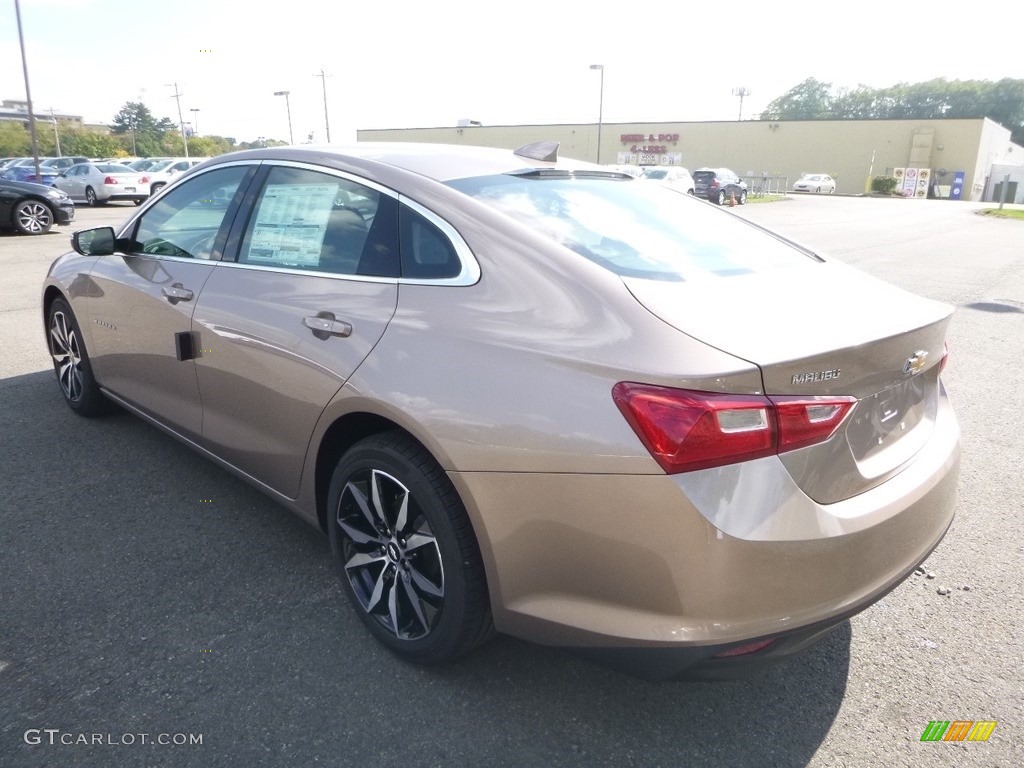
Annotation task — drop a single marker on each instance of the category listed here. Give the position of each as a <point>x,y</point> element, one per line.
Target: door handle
<point>175,293</point>
<point>325,325</point>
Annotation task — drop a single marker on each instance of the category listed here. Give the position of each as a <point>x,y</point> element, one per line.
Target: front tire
<point>32,217</point>
<point>71,363</point>
<point>405,550</point>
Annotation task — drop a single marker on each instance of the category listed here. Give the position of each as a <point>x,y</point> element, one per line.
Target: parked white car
<point>99,183</point>
<point>815,182</point>
<point>162,174</point>
<point>674,176</point>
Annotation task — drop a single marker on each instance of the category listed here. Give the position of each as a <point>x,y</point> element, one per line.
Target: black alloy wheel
<point>406,552</point>
<point>32,217</point>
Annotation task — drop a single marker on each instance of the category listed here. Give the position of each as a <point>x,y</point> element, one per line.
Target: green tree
<point>14,139</point>
<point>810,100</point>
<point>136,123</point>
<point>1001,101</point>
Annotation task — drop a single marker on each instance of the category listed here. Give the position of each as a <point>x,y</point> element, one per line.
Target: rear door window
<point>308,220</point>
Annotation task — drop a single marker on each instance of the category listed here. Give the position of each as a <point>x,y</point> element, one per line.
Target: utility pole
<point>181,121</point>
<point>741,92</point>
<point>327,121</point>
<point>28,93</point>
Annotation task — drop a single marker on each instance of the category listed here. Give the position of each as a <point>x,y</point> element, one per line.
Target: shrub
<point>884,185</point>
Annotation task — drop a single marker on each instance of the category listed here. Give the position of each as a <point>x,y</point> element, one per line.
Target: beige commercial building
<point>957,155</point>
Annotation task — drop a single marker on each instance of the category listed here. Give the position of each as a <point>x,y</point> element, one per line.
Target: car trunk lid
<point>825,330</point>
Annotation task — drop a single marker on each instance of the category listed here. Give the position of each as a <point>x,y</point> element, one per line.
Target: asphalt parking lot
<point>145,591</point>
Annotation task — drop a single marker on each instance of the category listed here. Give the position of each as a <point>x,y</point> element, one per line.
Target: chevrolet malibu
<point>527,395</point>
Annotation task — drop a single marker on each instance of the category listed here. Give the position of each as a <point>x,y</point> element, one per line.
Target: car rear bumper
<point>627,567</point>
<point>140,194</point>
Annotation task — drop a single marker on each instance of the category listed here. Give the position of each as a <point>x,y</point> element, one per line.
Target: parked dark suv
<point>718,185</point>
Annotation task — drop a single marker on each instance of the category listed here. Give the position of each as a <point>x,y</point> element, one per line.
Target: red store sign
<point>636,138</point>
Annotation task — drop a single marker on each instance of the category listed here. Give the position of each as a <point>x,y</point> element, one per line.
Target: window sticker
<point>290,224</point>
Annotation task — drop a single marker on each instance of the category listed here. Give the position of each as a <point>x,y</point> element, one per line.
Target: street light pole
<point>195,121</point>
<point>600,110</point>
<point>56,136</point>
<point>288,106</point>
<point>327,121</point>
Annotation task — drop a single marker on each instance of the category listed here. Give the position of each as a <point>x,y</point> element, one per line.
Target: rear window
<point>655,174</point>
<point>635,230</point>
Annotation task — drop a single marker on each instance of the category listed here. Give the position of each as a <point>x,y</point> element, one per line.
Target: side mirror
<point>94,242</point>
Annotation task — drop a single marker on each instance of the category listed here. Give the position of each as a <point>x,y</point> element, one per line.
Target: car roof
<point>442,162</point>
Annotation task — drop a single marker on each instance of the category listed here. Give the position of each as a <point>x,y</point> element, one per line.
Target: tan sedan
<point>528,395</point>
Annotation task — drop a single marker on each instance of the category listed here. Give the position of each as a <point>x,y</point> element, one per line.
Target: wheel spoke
<point>378,591</point>
<point>59,332</point>
<point>393,607</point>
<point>375,492</point>
<point>363,559</point>
<point>403,514</point>
<point>358,536</point>
<point>65,376</point>
<point>415,602</point>
<point>418,540</point>
<point>424,584</point>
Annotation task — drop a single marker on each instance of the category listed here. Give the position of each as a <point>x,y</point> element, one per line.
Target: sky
<point>429,63</point>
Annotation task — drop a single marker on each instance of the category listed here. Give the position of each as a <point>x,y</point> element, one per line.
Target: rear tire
<point>156,188</point>
<point>406,553</point>
<point>742,199</point>
<point>721,197</point>
<point>90,197</point>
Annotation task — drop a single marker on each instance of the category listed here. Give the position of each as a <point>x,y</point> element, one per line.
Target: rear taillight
<point>144,180</point>
<point>110,180</point>
<point>805,421</point>
<point>686,430</point>
<point>945,357</point>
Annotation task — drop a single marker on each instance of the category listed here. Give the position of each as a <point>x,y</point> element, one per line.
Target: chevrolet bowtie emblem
<point>916,362</point>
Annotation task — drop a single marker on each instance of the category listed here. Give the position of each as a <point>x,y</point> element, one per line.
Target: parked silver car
<point>99,184</point>
<point>815,182</point>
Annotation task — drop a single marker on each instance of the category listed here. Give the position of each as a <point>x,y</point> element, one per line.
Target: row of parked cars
<point>28,209</point>
<point>720,185</point>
